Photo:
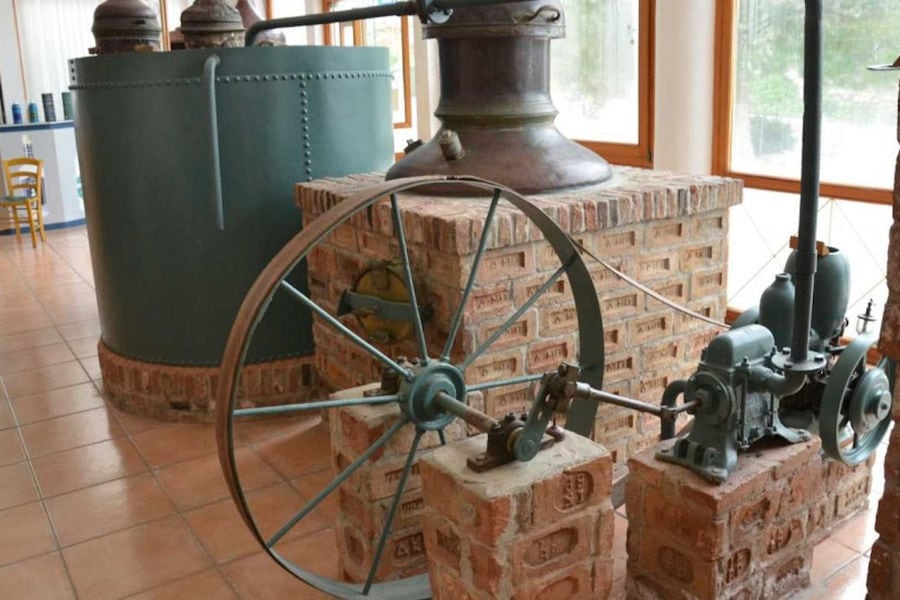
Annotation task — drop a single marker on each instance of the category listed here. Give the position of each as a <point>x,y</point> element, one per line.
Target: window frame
<point>641,153</point>
<point>723,106</point>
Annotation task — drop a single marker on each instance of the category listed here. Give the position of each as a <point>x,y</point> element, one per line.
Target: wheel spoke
<point>473,272</point>
<point>408,279</point>
<point>345,330</point>
<point>302,406</point>
<point>341,477</point>
<point>389,521</point>
<point>487,385</point>
<point>510,321</point>
<point>442,437</point>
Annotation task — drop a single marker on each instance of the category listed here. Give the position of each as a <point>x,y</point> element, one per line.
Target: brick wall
<point>884,566</point>
<point>667,230</point>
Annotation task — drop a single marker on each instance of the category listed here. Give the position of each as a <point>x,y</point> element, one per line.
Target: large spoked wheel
<point>442,371</point>
<point>856,404</point>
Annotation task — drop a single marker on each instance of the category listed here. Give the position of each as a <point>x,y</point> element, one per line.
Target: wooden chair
<point>24,194</point>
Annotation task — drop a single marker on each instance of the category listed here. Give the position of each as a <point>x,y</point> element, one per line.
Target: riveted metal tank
<point>172,258</point>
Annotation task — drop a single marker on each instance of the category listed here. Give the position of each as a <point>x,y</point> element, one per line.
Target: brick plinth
<point>667,230</point>
<point>526,531</point>
<point>188,394</point>
<point>750,537</point>
<point>366,498</point>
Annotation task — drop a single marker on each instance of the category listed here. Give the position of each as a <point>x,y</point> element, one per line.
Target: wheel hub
<point>417,396</point>
<point>871,401</point>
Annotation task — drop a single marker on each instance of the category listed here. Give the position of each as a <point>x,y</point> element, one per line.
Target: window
<point>602,78</point>
<point>758,125</point>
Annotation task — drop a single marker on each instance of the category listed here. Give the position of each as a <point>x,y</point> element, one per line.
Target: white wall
<point>10,70</point>
<point>685,35</point>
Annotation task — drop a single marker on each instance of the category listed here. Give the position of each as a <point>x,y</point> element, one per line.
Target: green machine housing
<point>188,161</point>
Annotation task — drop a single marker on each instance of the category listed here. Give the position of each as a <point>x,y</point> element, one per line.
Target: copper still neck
<point>495,106</point>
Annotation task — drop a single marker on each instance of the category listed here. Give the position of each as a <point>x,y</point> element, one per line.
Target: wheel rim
<point>418,383</point>
<point>853,419</point>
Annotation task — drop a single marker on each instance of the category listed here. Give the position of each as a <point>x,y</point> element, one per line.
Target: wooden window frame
<point>641,153</point>
<point>723,104</point>
<point>405,58</point>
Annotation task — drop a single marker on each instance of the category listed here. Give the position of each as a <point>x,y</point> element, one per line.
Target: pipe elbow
<point>780,385</point>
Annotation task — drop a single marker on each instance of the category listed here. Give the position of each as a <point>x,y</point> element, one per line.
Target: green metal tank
<point>188,161</point>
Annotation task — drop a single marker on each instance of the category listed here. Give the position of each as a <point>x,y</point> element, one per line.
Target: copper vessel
<point>249,16</point>
<point>212,24</point>
<point>125,26</point>
<point>495,107</point>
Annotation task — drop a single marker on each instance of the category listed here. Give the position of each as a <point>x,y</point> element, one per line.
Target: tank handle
<point>215,167</point>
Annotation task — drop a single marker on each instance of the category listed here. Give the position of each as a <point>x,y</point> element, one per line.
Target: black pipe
<point>422,8</point>
<point>805,265</point>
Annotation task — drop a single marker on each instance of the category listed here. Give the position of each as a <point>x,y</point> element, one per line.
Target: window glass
<point>594,71</point>
<point>859,106</point>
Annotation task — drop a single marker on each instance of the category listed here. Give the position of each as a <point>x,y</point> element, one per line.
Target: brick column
<point>525,531</point>
<point>884,566</point>
<point>746,538</point>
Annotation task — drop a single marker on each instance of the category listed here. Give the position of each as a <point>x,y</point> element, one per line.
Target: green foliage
<point>770,56</point>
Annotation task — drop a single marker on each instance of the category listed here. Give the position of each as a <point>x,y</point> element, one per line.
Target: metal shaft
<point>805,265</point>
<point>473,417</point>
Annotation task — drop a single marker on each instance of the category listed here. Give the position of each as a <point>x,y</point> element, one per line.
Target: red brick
<point>577,489</point>
<point>519,333</point>
<point>884,571</point>
<point>576,581</point>
<point>448,586</point>
<point>887,521</point>
<point>547,549</point>
<point>506,263</point>
<point>789,576</point>
<point>689,525</point>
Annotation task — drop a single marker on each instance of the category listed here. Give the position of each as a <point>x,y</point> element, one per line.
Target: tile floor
<point>97,504</point>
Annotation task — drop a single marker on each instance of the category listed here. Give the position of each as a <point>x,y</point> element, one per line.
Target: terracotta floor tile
<point>29,339</point>
<point>26,533</point>
<point>317,553</point>
<point>206,585</point>
<point>10,448</point>
<point>172,444</point>
<point>55,403</point>
<point>220,529</point>
<point>6,416</point>
<point>134,560</point>
<point>84,347</point>
<point>88,465</point>
<point>70,431</point>
<point>258,577</point>
<point>859,532</point>
<point>39,578</point>
<point>135,423</point>
<point>196,482</point>
<point>91,366</point>
<point>828,557</point>
<point>107,507</point>
<point>297,454</point>
<point>25,322</point>
<point>619,553</point>
<point>849,583</point>
<point>89,328</point>
<point>310,485</point>
<point>72,289</point>
<point>16,485</point>
<point>255,431</point>
<point>25,383</point>
<point>32,358</point>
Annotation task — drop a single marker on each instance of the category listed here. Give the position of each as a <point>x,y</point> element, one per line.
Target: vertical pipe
<point>215,167</point>
<point>805,266</point>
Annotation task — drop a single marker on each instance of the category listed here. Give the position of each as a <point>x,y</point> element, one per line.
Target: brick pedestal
<point>748,538</point>
<point>528,531</point>
<point>188,394</point>
<point>365,499</point>
<point>667,230</point>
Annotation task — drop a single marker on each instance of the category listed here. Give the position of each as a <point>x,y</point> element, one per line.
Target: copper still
<point>125,26</point>
<point>212,24</point>
<point>495,106</point>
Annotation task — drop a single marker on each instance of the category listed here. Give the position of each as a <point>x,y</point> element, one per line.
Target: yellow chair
<point>24,194</point>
